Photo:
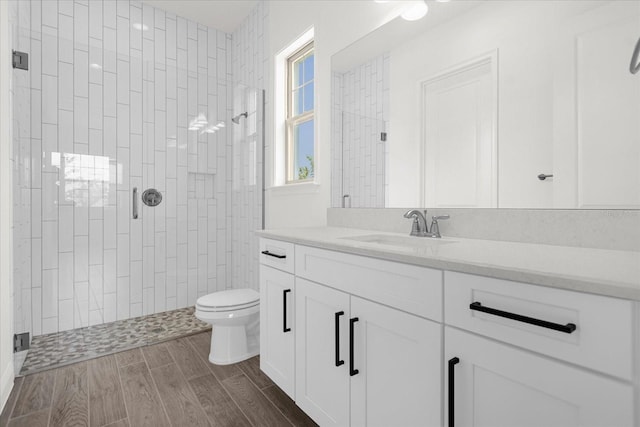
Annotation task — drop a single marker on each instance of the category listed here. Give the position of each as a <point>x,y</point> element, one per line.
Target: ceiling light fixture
<point>415,10</point>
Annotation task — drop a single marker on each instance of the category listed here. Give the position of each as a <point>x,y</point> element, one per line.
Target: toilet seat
<point>231,300</point>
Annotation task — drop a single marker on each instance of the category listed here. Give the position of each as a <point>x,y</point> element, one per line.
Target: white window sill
<point>289,189</point>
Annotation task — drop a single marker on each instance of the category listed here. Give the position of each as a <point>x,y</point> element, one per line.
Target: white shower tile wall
<point>118,95</point>
<point>360,114</point>
<point>251,72</point>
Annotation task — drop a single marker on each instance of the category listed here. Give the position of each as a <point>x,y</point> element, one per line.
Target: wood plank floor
<point>168,384</point>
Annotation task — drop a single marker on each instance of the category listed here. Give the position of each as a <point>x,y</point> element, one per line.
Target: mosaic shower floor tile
<point>63,348</point>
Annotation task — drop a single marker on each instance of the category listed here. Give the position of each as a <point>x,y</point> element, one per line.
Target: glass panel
<point>297,102</point>
<point>308,97</point>
<point>303,165</point>
<point>297,74</point>
<point>308,68</point>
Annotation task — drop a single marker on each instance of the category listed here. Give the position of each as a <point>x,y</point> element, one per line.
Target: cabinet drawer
<point>414,289</point>
<point>603,335</point>
<point>277,254</point>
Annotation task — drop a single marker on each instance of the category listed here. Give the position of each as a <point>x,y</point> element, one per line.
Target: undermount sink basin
<point>400,241</point>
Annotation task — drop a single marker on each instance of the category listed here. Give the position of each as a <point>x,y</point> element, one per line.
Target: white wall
<point>6,286</point>
<point>337,24</point>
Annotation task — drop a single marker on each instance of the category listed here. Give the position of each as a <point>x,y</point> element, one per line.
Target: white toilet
<point>235,318</point>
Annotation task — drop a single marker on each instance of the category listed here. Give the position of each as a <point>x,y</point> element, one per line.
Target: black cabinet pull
<point>337,319</point>
<point>452,393</point>
<point>567,329</point>
<point>284,310</point>
<point>352,371</point>
<point>274,255</point>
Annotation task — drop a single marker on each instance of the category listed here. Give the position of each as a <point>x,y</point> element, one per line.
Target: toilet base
<point>232,361</point>
<point>233,344</point>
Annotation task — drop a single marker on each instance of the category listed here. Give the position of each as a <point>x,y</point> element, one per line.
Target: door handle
<point>452,394</point>
<point>337,321</point>
<point>567,329</point>
<point>273,255</point>
<point>284,310</point>
<point>634,67</point>
<point>352,371</point>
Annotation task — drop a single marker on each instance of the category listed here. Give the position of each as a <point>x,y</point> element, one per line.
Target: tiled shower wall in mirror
<point>250,65</point>
<point>119,95</point>
<point>360,115</point>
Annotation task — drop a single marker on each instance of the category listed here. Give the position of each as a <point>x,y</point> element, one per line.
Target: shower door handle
<point>135,203</point>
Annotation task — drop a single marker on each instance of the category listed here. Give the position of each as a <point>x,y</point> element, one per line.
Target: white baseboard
<point>6,384</point>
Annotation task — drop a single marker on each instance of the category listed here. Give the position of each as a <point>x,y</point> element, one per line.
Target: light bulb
<point>415,10</point>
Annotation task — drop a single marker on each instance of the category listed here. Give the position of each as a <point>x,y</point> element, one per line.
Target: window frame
<point>290,120</point>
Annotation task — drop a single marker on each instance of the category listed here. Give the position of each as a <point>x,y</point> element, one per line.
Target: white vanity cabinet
<point>373,340</point>
<point>277,313</point>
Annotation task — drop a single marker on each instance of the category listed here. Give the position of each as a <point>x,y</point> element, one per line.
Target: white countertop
<point>598,271</point>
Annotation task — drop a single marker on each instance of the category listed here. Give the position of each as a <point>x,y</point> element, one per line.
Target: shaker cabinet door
<point>322,375</point>
<point>276,327</point>
<point>495,385</point>
<point>397,356</point>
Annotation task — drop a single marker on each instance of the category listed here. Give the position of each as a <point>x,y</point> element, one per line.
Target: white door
<point>397,356</point>
<point>322,381</point>
<point>496,385</point>
<point>460,135</point>
<point>597,110</point>
<point>276,327</point>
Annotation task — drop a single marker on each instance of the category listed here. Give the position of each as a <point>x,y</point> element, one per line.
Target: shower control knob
<point>151,197</point>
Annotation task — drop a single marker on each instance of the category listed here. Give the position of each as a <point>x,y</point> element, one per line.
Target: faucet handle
<point>435,228</point>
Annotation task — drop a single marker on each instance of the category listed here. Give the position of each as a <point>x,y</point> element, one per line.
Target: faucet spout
<point>419,227</point>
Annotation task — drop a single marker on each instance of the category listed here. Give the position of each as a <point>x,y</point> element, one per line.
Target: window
<point>300,115</point>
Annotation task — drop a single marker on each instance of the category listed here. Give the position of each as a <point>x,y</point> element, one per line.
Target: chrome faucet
<point>419,227</point>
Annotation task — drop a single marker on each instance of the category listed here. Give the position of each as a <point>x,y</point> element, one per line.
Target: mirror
<point>527,104</point>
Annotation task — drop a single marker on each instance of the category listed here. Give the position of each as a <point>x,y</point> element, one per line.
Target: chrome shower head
<point>236,119</point>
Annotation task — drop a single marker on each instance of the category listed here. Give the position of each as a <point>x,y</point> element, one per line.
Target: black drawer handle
<point>274,255</point>
<point>284,310</point>
<point>337,320</point>
<point>567,329</point>
<point>352,371</point>
<point>452,393</point>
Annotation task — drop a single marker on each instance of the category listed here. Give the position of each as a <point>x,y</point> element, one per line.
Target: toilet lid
<point>231,299</point>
